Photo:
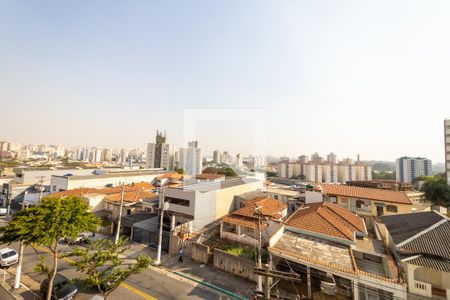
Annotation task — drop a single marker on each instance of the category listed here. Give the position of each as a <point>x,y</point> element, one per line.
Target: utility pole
<point>8,197</point>
<point>259,263</point>
<point>41,188</point>
<point>268,274</point>
<point>20,260</point>
<point>116,240</point>
<point>161,215</point>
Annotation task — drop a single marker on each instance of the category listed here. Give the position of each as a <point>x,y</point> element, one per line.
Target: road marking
<point>136,291</point>
<point>123,284</point>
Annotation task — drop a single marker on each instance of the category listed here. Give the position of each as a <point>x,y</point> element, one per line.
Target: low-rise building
<point>367,202</point>
<point>421,243</point>
<point>242,225</point>
<point>205,202</point>
<point>329,247</point>
<point>102,178</point>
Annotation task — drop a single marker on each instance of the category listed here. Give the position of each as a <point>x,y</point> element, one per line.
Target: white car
<point>8,257</point>
<point>81,238</point>
<point>3,211</point>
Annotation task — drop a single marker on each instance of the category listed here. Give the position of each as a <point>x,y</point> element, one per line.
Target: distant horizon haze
<point>344,77</point>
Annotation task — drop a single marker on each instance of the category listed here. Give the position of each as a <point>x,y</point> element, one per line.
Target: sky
<point>352,77</point>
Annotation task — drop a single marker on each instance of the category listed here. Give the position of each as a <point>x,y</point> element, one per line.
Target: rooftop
<point>245,216</point>
<point>318,251</point>
<point>366,193</point>
<point>113,174</point>
<point>327,219</point>
<point>404,226</point>
<point>205,187</point>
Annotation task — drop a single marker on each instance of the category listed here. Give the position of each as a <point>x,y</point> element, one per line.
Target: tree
<point>103,263</point>
<point>437,190</point>
<point>47,224</point>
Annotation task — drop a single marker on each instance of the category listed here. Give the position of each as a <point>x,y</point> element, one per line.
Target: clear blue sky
<point>344,76</point>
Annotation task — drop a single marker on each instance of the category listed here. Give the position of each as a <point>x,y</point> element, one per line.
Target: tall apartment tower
<point>316,158</point>
<point>190,159</point>
<point>331,158</point>
<point>239,160</point>
<point>447,148</point>
<point>409,168</point>
<point>160,154</point>
<point>217,157</point>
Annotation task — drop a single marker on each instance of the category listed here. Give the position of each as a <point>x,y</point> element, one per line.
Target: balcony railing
<point>360,210</point>
<point>421,288</point>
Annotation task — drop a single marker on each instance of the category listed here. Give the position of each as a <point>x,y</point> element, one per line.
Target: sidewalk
<point>208,273</point>
<point>27,286</point>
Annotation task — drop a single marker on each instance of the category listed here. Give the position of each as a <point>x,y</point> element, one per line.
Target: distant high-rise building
<point>316,158</point>
<point>331,158</point>
<point>239,160</point>
<point>190,159</point>
<point>313,172</point>
<point>160,154</point>
<point>447,148</point>
<point>363,172</point>
<point>409,168</point>
<point>217,157</point>
<point>346,172</point>
<point>4,146</point>
<point>303,159</point>
<point>96,155</point>
<point>330,173</point>
<point>106,155</point>
<point>226,157</point>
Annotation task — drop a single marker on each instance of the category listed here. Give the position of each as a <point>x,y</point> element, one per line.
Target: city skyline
<point>378,89</point>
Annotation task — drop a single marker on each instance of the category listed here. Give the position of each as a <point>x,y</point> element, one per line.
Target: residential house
<point>421,243</point>
<point>243,224</point>
<point>329,247</point>
<point>367,202</point>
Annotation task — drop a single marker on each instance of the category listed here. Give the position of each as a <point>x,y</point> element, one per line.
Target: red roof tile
<point>366,193</point>
<point>328,219</point>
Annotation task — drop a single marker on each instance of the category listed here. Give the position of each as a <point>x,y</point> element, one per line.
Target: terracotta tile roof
<point>366,193</point>
<point>243,221</point>
<point>171,175</point>
<point>209,176</point>
<point>269,208</point>
<point>328,219</point>
<point>245,216</point>
<point>105,191</point>
<point>131,196</point>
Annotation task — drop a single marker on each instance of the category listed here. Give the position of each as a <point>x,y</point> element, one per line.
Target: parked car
<point>3,211</point>
<point>8,257</point>
<point>63,288</point>
<point>81,238</point>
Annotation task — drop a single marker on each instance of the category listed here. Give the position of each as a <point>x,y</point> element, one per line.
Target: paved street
<point>151,284</point>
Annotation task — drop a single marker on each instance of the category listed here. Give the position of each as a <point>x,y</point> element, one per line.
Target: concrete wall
<point>225,197</point>
<point>200,252</point>
<point>233,264</point>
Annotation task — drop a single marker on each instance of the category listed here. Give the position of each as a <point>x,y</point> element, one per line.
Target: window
<point>177,201</point>
<point>359,203</point>
<point>391,208</point>
<point>344,200</point>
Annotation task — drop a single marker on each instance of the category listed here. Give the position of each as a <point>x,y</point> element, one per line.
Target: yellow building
<point>367,202</point>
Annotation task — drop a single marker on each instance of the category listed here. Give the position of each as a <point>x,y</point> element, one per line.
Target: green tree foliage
<point>104,266</point>
<point>437,190</point>
<point>227,171</point>
<point>383,175</point>
<point>47,224</point>
<point>180,171</point>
